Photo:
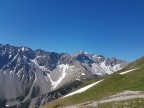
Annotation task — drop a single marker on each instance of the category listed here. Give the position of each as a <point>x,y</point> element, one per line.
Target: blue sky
<point>107,27</point>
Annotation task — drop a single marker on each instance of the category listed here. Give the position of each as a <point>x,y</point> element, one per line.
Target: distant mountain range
<point>25,73</point>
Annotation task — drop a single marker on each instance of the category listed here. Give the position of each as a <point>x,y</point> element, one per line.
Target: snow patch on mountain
<point>83,74</point>
<point>24,49</point>
<point>10,56</point>
<point>30,92</point>
<point>43,68</point>
<point>63,68</point>
<point>83,89</point>
<point>116,67</point>
<point>122,73</point>
<point>107,69</point>
<point>98,68</point>
<point>18,74</point>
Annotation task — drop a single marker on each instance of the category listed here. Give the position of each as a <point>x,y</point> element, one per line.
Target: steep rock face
<point>58,69</point>
<point>98,64</point>
<point>25,73</point>
<point>15,71</point>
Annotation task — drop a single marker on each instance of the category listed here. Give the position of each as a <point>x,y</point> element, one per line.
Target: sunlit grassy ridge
<point>111,85</point>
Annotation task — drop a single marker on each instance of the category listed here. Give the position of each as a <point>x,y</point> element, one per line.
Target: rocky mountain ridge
<point>25,73</point>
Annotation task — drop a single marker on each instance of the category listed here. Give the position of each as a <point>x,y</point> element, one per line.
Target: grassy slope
<point>131,103</point>
<point>111,85</point>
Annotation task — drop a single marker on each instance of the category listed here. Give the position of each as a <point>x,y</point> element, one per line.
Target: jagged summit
<point>83,52</point>
<point>99,64</point>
